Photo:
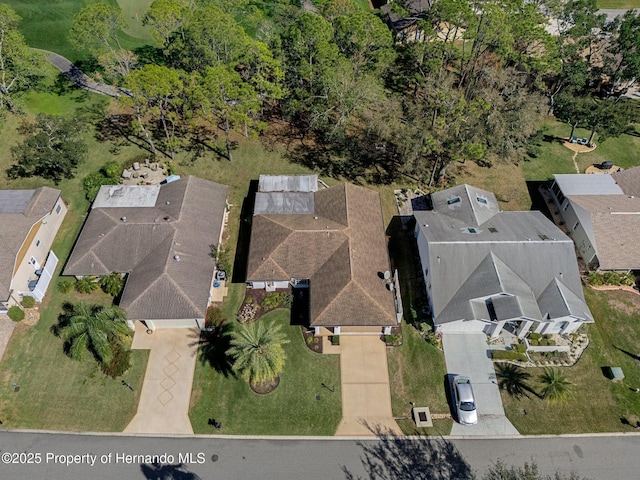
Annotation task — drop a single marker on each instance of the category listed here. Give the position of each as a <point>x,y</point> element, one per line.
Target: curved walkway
<point>78,77</point>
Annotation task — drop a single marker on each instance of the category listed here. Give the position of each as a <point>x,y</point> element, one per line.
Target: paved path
<point>78,77</point>
<point>166,391</point>
<point>613,13</point>
<point>466,354</point>
<point>366,398</point>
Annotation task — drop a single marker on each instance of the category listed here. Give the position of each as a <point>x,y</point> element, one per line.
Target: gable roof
<point>608,207</point>
<point>164,248</point>
<point>340,247</point>
<point>474,257</point>
<point>20,210</point>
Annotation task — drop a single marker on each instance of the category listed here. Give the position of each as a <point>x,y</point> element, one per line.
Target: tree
<point>86,284</point>
<point>53,148</point>
<point>112,284</point>
<point>258,354</point>
<point>166,18</point>
<point>96,328</point>
<point>513,379</point>
<point>95,29</point>
<point>20,67</point>
<point>627,47</point>
<point>555,386</point>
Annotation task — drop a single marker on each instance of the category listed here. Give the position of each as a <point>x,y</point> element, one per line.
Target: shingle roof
<point>19,211</point>
<point>340,248</point>
<point>628,180</point>
<point>615,222</point>
<point>517,253</point>
<point>165,249</point>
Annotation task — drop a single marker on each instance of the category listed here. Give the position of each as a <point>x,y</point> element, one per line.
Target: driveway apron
<point>466,354</point>
<point>366,399</point>
<point>166,391</point>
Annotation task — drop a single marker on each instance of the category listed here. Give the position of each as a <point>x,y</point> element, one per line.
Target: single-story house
<point>30,220</point>
<point>602,215</point>
<point>330,241</point>
<point>160,236</point>
<point>486,270</point>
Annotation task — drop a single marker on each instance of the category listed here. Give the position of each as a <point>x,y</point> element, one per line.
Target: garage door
<point>176,323</point>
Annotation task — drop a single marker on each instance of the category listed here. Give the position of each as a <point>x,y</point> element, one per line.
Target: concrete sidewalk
<point>166,392</point>
<point>366,399</point>
<point>466,354</point>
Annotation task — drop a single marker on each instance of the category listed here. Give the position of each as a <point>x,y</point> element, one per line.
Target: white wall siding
<point>175,323</point>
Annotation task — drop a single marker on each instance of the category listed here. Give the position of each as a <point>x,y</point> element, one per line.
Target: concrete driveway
<point>366,399</point>
<point>166,391</point>
<point>466,354</point>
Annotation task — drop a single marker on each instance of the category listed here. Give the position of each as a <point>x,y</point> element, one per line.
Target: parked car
<point>464,400</point>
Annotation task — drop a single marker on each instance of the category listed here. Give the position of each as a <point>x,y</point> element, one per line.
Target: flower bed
<point>259,302</point>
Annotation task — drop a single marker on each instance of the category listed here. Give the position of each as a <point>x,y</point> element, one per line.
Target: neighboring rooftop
<point>582,184</point>
<point>165,248</point>
<point>340,247</point>
<point>478,251</point>
<point>20,210</point>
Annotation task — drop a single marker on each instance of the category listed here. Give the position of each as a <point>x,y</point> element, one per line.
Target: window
<point>58,208</point>
<point>472,230</point>
<point>453,201</point>
<point>426,272</point>
<point>37,242</point>
<point>576,225</point>
<point>566,205</point>
<point>482,200</point>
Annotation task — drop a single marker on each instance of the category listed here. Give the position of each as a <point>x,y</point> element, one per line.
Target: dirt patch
<point>625,302</point>
<point>265,387</point>
<point>311,341</point>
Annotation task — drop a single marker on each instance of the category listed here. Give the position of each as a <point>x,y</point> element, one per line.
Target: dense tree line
<point>475,89</point>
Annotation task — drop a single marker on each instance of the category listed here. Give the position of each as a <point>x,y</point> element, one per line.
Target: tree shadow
<point>423,458</point>
<point>213,344</point>
<point>632,355</point>
<point>158,471</point>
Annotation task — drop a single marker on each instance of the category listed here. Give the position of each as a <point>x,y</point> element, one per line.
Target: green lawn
<point>292,409</point>
<point>46,25</point>
<point>618,4</point>
<point>596,403</point>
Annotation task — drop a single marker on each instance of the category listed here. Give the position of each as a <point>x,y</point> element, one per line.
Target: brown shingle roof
<point>341,249</point>
<point>616,225</point>
<point>186,219</point>
<point>16,226</point>
<point>628,180</point>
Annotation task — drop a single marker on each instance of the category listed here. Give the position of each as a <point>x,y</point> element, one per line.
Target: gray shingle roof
<point>165,249</point>
<point>20,210</point>
<point>517,253</point>
<point>628,180</point>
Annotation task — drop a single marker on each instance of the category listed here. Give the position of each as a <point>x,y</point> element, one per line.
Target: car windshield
<point>467,406</point>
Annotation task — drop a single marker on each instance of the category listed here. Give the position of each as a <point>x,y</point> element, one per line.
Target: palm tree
<point>513,379</point>
<point>96,328</point>
<point>112,284</point>
<point>258,353</point>
<point>555,385</point>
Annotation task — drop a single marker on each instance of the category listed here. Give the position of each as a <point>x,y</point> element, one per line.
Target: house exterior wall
<point>37,245</point>
<point>269,286</point>
<point>175,323</point>
<point>578,234</point>
<point>423,250</point>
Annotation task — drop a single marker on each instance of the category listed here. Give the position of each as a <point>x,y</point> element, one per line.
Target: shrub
<point>120,362</point>
<point>92,183</point>
<point>86,284</point>
<point>596,279</point>
<point>426,332</point>
<point>535,336</point>
<point>111,169</point>
<point>16,313</point>
<point>335,339</point>
<point>28,302</point>
<point>519,347</point>
<point>392,339</point>
<point>508,355</point>
<point>612,278</point>
<point>65,286</point>
<point>534,343</point>
<point>112,284</point>
<point>288,301</point>
<point>309,340</point>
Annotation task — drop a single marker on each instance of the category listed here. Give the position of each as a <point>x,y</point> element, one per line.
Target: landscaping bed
<point>259,302</point>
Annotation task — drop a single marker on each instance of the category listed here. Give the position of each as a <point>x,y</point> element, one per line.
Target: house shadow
<point>418,458</point>
<point>158,471</point>
<point>537,201</point>
<point>241,259</point>
<point>301,306</point>
<point>447,383</point>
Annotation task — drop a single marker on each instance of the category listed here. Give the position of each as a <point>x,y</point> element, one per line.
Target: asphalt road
<point>26,455</point>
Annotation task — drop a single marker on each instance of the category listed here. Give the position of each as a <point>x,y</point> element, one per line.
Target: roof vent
<point>124,219</point>
<point>167,202</point>
<point>315,218</point>
<point>176,258</point>
<point>167,218</point>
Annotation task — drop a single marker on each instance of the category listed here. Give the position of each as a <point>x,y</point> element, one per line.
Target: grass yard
<point>596,403</point>
<point>46,25</point>
<point>292,409</point>
<point>618,4</point>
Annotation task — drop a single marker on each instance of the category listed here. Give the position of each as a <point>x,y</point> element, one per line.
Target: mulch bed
<point>310,340</point>
<point>265,387</point>
<point>257,296</point>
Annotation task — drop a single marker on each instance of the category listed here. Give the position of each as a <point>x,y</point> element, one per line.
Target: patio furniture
<point>126,174</point>
<point>574,139</point>
<point>136,166</point>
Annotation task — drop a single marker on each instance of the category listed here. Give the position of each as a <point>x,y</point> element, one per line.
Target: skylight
<point>482,200</point>
<point>453,201</point>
